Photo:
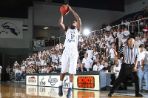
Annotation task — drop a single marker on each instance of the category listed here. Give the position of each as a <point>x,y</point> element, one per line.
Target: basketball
<point>64,9</point>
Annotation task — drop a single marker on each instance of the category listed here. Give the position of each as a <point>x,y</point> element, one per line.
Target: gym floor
<point>20,90</point>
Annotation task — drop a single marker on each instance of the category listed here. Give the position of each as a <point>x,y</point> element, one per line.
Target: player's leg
<point>64,66</point>
<point>72,71</point>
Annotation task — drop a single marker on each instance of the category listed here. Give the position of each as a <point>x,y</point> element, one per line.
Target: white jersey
<point>71,40</point>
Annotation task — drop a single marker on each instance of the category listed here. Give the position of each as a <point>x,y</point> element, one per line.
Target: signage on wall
<point>53,81</point>
<point>31,80</point>
<point>86,82</point>
<point>90,82</point>
<point>49,80</point>
<point>11,28</point>
<point>42,82</point>
<point>66,82</point>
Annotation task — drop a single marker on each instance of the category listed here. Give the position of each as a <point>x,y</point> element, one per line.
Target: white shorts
<point>69,61</point>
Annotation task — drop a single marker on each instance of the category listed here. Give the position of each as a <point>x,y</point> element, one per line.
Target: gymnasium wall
<point>48,15</point>
<point>25,42</point>
<point>136,6</point>
<point>12,49</point>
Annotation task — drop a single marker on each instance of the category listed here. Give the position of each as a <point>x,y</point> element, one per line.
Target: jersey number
<point>72,36</point>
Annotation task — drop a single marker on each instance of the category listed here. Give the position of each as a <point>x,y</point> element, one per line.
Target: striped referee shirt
<point>130,55</point>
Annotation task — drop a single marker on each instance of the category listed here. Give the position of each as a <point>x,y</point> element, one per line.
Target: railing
<point>131,26</point>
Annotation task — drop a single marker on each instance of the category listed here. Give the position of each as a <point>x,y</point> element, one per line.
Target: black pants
<point>126,71</point>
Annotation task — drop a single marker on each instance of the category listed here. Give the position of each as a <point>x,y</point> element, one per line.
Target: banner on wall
<point>90,82</point>
<point>32,80</point>
<point>53,80</point>
<point>11,28</point>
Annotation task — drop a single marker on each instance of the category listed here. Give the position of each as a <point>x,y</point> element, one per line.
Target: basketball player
<point>70,53</point>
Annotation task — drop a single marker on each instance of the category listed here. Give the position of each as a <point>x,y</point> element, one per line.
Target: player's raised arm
<point>77,17</point>
<point>61,23</point>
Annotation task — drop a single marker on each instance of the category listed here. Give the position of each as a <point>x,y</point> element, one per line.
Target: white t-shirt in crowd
<point>95,68</point>
<point>110,39</point>
<point>23,69</point>
<point>38,63</point>
<point>100,67</point>
<point>54,58</point>
<point>124,41</point>
<point>94,55</point>
<point>111,53</point>
<point>90,54</point>
<point>119,35</point>
<point>141,56</point>
<point>44,70</point>
<point>114,33</point>
<point>140,42</point>
<point>116,69</point>
<point>87,62</point>
<point>43,62</point>
<point>126,33</point>
<point>137,43</point>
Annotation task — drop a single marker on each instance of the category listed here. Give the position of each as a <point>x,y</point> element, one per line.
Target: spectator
<point>89,52</point>
<point>112,54</point>
<point>18,73</point>
<point>140,65</point>
<point>87,62</point>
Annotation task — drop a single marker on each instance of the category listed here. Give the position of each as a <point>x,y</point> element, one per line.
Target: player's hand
<point>135,69</point>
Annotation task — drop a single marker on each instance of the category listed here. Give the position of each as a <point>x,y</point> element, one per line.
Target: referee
<point>128,68</point>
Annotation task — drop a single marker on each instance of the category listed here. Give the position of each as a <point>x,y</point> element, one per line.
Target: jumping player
<point>70,53</point>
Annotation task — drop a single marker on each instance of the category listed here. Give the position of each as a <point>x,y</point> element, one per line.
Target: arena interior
<point>32,44</point>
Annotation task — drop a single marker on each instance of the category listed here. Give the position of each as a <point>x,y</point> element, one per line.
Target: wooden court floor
<point>20,90</point>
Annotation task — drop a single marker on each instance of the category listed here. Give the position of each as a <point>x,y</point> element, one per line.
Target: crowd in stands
<point>101,51</point>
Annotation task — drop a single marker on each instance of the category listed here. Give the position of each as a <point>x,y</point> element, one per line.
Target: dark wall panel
<point>115,5</point>
<point>14,12</point>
